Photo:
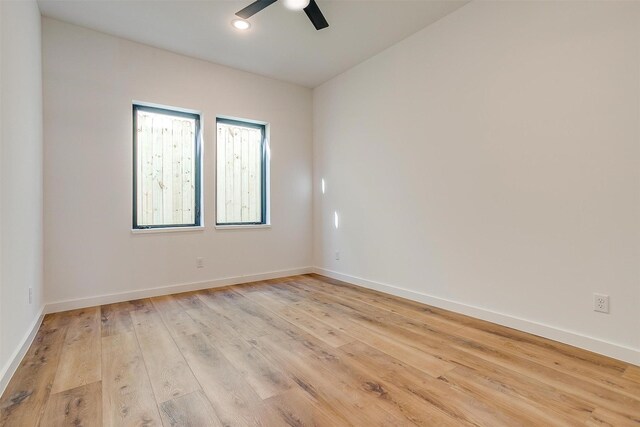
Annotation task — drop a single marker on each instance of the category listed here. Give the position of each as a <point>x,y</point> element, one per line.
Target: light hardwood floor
<point>306,351</point>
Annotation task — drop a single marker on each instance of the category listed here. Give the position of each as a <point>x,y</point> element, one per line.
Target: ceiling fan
<point>310,8</point>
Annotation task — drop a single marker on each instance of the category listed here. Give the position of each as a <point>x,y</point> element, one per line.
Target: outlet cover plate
<point>601,303</point>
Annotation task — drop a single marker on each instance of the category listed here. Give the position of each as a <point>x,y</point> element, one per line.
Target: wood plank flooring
<point>306,351</point>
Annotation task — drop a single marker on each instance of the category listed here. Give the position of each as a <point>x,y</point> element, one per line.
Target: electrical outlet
<point>337,255</point>
<point>601,303</point>
<point>199,262</point>
<point>30,295</point>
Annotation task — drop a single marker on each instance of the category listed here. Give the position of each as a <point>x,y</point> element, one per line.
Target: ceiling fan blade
<point>254,8</point>
<point>315,15</point>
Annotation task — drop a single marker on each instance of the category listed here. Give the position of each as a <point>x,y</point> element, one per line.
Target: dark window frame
<point>197,162</point>
<point>263,174</point>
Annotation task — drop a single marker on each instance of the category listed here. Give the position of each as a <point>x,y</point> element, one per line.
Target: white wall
<point>491,163</point>
<point>20,177</point>
<point>90,81</point>
<point>3,358</point>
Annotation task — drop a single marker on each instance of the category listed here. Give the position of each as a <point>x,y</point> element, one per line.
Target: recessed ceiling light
<point>296,4</point>
<point>240,24</point>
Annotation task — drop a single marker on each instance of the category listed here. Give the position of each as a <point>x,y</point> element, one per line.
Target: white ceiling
<point>281,43</point>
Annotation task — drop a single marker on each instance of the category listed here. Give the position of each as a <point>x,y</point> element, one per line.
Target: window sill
<point>166,229</point>
<point>242,227</point>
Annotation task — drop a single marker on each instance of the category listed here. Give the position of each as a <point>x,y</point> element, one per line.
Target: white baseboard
<point>626,354</point>
<point>16,357</point>
<point>72,304</point>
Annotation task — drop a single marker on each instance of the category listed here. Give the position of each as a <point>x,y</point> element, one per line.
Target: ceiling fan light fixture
<point>310,7</point>
<point>296,4</point>
<point>240,24</point>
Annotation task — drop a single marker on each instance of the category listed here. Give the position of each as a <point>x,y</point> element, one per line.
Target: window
<point>241,173</point>
<point>166,174</point>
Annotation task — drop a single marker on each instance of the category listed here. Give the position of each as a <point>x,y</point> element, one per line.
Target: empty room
<point>319,213</point>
